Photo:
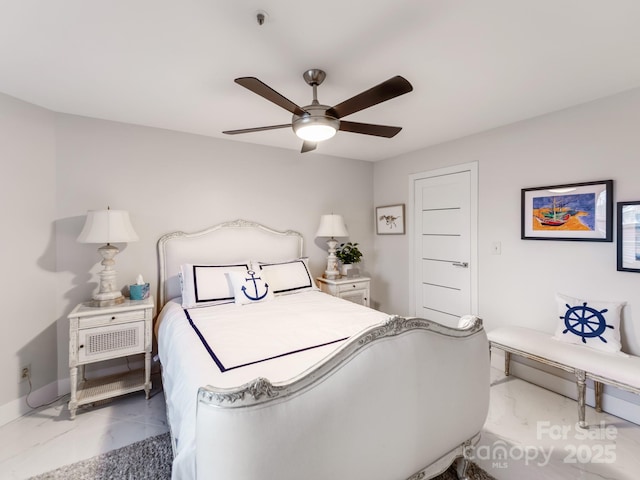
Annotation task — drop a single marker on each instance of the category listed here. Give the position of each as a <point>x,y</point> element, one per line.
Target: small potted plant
<point>348,254</point>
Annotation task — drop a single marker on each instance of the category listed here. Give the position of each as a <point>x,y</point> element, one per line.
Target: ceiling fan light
<point>315,128</point>
<point>315,133</point>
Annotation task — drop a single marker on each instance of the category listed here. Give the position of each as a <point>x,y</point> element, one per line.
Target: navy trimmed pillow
<point>205,285</point>
<point>592,323</point>
<point>289,277</point>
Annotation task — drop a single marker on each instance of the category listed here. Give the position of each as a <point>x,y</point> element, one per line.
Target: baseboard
<point>17,408</point>
<point>620,403</point>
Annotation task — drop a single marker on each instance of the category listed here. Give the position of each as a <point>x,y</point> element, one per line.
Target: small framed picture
<point>577,211</point>
<point>390,220</point>
<point>628,236</point>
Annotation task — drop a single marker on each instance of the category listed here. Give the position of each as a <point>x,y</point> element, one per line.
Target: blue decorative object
<point>139,292</point>
<point>585,322</point>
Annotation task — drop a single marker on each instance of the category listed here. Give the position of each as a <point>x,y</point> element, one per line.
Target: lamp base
<point>106,299</point>
<point>332,273</point>
<point>107,295</point>
<point>105,303</point>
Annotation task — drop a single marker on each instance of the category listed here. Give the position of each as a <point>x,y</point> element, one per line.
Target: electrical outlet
<point>24,374</point>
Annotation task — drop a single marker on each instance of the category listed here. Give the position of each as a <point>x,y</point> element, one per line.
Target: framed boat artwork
<point>577,211</point>
<point>628,236</point>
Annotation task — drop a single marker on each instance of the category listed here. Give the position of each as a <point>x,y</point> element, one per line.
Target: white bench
<point>621,371</point>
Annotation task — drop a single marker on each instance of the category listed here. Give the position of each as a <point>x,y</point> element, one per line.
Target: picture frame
<point>628,236</point>
<point>390,220</point>
<point>575,211</point>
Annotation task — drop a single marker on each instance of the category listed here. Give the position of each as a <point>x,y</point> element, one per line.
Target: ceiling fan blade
<point>308,146</point>
<point>394,87</point>
<point>369,129</point>
<point>265,91</point>
<point>256,129</point>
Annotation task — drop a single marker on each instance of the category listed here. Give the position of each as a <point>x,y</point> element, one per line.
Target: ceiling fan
<point>316,122</point>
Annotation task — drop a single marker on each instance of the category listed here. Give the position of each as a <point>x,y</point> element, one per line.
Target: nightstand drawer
<point>352,286</point>
<point>111,318</point>
<point>112,341</point>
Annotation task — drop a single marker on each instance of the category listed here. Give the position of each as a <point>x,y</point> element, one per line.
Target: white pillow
<point>250,287</point>
<point>289,277</point>
<point>592,323</point>
<point>205,285</point>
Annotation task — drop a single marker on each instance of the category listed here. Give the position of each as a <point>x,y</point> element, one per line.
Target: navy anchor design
<point>255,286</point>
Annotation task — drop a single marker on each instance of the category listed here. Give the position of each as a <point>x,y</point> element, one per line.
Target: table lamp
<point>332,226</point>
<point>107,226</point>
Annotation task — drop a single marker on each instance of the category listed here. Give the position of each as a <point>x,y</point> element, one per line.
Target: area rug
<point>150,459</point>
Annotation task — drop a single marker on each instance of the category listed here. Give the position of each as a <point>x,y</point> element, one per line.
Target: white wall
<point>595,141</point>
<point>27,255</point>
<point>172,181</point>
<point>57,166</point>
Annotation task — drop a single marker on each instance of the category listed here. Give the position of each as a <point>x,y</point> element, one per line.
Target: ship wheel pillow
<point>595,324</point>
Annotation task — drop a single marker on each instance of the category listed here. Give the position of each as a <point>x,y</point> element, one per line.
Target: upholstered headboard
<point>228,242</point>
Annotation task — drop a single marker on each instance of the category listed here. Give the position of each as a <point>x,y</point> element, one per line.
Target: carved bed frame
<point>410,391</point>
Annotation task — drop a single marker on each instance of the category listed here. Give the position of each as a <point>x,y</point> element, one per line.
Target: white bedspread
<point>278,340</point>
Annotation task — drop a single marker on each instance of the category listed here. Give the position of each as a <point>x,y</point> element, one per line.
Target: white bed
<point>305,385</point>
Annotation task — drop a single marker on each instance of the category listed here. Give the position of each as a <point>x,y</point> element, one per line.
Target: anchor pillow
<point>250,287</point>
<point>595,324</point>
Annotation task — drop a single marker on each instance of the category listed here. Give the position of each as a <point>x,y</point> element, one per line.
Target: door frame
<point>472,168</point>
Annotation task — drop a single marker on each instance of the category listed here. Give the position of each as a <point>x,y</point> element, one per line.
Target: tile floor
<point>523,437</point>
<point>531,434</point>
<point>46,438</point>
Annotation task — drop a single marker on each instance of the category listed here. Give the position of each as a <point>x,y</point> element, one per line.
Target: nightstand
<point>355,290</point>
<point>97,334</point>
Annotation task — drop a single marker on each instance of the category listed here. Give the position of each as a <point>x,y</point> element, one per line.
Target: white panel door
<point>443,236</point>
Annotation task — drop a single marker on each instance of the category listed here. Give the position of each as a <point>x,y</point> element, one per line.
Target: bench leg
<point>581,378</point>
<point>598,387</point>
<point>507,361</point>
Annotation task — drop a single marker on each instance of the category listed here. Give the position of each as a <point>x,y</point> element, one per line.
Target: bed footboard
<point>396,401</point>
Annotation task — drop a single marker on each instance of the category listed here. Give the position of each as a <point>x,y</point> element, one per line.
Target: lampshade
<point>332,226</point>
<point>107,226</point>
